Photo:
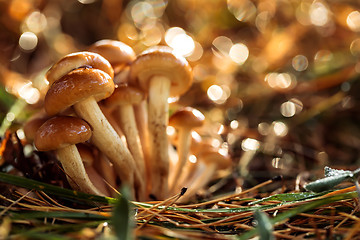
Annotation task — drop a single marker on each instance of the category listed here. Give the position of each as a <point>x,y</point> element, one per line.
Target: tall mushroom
<point>162,74</point>
<point>184,120</point>
<point>82,88</point>
<point>122,100</point>
<point>61,134</point>
<point>120,56</point>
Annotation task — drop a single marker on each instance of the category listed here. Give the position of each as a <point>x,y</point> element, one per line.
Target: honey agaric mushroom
<point>61,134</point>
<point>197,148</point>
<point>122,100</point>
<point>120,57</point>
<point>82,88</point>
<point>78,60</point>
<point>33,124</point>
<point>212,161</point>
<point>161,74</point>
<point>117,53</point>
<point>184,120</point>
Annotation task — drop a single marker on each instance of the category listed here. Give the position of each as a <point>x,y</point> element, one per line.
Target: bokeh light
<point>28,41</point>
<point>239,53</point>
<point>280,129</point>
<point>319,14</point>
<point>300,63</point>
<point>353,21</point>
<point>250,144</point>
<point>36,22</point>
<point>243,10</point>
<point>291,107</point>
<point>280,80</point>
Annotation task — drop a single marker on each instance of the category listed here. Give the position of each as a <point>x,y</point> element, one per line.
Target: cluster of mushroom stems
<point>106,115</point>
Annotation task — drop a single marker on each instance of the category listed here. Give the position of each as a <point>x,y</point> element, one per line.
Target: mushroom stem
<point>106,169</point>
<point>201,179</point>
<point>111,119</point>
<point>159,90</point>
<point>73,167</point>
<point>109,142</point>
<point>141,117</point>
<point>128,124</point>
<point>183,150</point>
<point>188,173</point>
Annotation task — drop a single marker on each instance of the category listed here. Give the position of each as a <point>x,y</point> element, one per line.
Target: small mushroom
<point>119,55</point>
<point>122,100</point>
<point>197,147</point>
<point>33,124</point>
<point>61,134</point>
<point>161,74</point>
<point>210,162</point>
<point>82,88</point>
<point>184,120</point>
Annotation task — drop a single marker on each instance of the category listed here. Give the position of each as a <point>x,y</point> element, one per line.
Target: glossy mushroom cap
<point>187,118</point>
<point>75,86</point>
<point>78,60</point>
<point>116,52</point>
<point>215,157</point>
<point>161,61</point>
<point>59,132</point>
<point>125,94</point>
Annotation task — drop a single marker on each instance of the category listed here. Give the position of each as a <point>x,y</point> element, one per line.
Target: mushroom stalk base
<point>159,90</point>
<point>75,171</point>
<point>109,142</point>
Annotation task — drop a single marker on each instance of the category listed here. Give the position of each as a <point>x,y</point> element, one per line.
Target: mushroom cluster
<point>106,118</point>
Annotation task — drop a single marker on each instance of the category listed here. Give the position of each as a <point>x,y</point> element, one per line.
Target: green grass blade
<point>122,219</point>
<point>41,236</point>
<point>287,197</point>
<point>16,109</point>
<point>51,189</point>
<point>264,226</point>
<point>61,214</point>
<point>219,210</point>
<point>301,209</point>
<point>6,99</point>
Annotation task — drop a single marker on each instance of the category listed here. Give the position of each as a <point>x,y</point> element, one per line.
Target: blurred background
<point>276,79</point>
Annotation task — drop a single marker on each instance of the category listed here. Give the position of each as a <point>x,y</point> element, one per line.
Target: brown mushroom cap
<point>215,157</point>
<point>62,131</point>
<point>78,60</point>
<point>125,94</point>
<point>75,86</point>
<point>116,52</point>
<point>187,118</point>
<point>33,124</point>
<point>161,61</point>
